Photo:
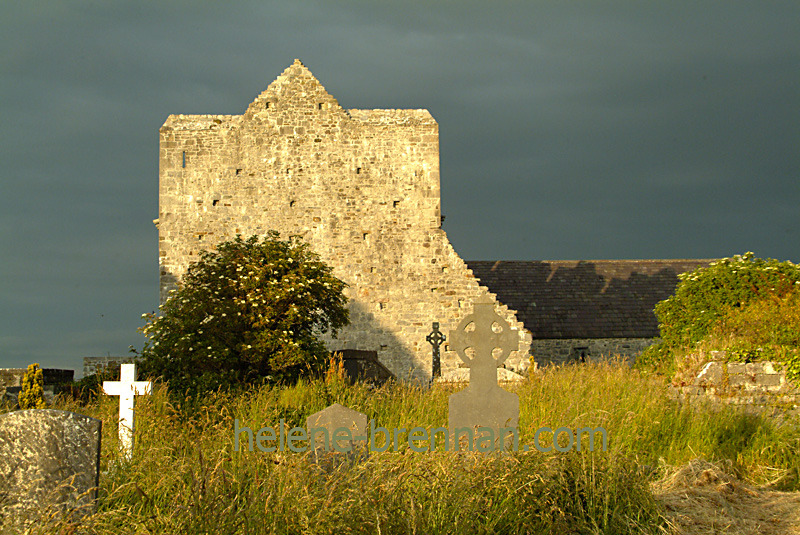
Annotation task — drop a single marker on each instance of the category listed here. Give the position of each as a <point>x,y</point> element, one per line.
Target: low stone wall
<point>92,365</point>
<point>564,351</point>
<point>756,385</point>
<point>11,382</point>
<point>12,377</point>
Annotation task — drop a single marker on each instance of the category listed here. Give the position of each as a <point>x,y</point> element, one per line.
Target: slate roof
<point>587,298</point>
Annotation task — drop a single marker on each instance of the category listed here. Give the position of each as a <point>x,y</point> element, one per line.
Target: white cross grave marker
<point>127,388</point>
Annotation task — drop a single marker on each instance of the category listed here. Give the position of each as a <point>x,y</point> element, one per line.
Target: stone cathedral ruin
<point>361,186</point>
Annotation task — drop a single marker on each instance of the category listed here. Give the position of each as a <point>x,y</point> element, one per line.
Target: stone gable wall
<point>361,186</point>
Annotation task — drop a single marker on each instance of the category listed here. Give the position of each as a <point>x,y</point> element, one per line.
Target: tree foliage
<point>32,394</point>
<point>248,312</point>
<point>716,300</point>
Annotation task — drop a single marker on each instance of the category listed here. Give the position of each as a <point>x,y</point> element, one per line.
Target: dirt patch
<point>701,497</point>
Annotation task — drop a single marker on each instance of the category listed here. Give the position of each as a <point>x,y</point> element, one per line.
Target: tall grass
<point>185,476</point>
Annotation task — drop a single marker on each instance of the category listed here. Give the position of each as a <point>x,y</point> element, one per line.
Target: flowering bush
<point>248,312</point>
<point>711,301</point>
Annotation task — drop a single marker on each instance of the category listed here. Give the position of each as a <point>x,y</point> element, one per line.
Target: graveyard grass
<point>185,477</point>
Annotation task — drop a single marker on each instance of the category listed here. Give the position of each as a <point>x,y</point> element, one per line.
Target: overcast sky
<point>568,130</point>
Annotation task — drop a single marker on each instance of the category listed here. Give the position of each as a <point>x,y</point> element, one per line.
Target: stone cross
<point>483,403</point>
<point>436,339</point>
<point>127,388</point>
<point>49,467</point>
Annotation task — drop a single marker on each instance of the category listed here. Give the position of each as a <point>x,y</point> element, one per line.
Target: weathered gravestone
<point>336,435</point>
<point>483,410</point>
<point>49,463</point>
<point>127,388</point>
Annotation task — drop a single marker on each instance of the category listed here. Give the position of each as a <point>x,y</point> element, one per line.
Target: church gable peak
<point>295,88</point>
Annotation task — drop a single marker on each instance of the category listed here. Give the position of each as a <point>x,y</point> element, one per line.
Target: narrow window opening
<point>384,347</point>
<point>382,306</point>
<point>396,204</point>
<point>320,105</point>
<point>372,270</point>
<point>268,105</point>
<point>358,170</point>
<point>291,204</point>
<point>445,269</point>
<point>183,163</point>
<point>215,202</point>
<point>238,171</point>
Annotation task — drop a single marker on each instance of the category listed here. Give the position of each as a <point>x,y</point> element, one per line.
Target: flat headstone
<point>337,434</point>
<point>483,404</point>
<point>48,458</point>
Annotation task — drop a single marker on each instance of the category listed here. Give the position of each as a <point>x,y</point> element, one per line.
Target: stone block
<point>736,368</point>
<point>769,380</point>
<point>711,374</point>
<point>740,380</point>
<point>770,368</point>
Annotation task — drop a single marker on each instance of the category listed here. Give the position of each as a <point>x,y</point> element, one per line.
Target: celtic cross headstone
<point>483,403</point>
<point>436,339</point>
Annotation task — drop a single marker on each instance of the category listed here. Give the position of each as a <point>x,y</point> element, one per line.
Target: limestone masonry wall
<point>92,365</point>
<point>361,186</point>
<point>569,350</point>
<point>758,386</point>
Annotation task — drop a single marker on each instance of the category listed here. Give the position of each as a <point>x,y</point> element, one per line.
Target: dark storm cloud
<point>568,130</point>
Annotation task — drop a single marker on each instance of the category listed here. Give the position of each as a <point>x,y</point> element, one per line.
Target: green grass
<point>185,477</point>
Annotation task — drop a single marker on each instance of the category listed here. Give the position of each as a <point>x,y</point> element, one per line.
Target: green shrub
<point>248,312</point>
<point>32,394</point>
<point>765,329</point>
<point>708,296</point>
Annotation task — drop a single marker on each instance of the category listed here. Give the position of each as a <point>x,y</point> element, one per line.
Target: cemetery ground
<point>669,467</point>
